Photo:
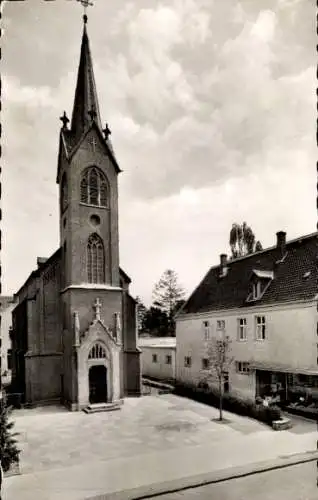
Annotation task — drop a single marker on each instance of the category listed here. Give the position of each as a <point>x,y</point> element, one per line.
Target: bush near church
<point>9,452</point>
<point>234,404</point>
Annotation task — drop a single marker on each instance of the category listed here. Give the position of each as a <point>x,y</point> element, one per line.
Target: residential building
<point>158,357</point>
<point>266,303</point>
<point>74,333</point>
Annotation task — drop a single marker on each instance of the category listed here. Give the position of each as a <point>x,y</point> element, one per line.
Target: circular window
<point>95,220</point>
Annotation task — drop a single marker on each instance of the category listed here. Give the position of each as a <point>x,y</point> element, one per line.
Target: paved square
<point>55,437</point>
<point>151,439</point>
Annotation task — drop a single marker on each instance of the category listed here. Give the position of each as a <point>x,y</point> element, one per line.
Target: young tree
<point>9,451</point>
<point>167,295</point>
<point>243,241</point>
<point>218,356</point>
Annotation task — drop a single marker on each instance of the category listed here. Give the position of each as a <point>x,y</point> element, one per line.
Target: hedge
<point>234,404</point>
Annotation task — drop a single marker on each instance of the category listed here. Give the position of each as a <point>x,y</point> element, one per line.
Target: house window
<point>154,358</point>
<point>95,260</point>
<point>205,364</point>
<point>168,359</point>
<point>94,187</point>
<point>9,359</point>
<point>242,367</point>
<point>220,324</point>
<point>187,361</point>
<point>206,327</point>
<point>260,327</point>
<point>226,382</point>
<point>242,329</point>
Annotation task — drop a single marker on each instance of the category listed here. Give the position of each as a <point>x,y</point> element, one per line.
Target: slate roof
<point>290,281</point>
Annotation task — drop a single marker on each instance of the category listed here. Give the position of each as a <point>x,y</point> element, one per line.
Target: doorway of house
<point>226,382</point>
<point>97,384</point>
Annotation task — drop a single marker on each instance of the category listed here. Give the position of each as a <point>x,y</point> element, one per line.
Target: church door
<point>97,384</point>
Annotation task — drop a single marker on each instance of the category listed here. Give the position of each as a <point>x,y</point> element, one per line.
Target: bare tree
<point>218,361</point>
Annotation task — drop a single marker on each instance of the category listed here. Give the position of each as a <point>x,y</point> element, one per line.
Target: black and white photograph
<point>159,250</point>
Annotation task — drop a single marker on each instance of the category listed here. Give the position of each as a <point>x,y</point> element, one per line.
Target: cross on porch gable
<point>97,307</point>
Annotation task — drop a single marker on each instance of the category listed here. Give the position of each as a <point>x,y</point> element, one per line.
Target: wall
<point>291,342</point>
<point>160,370</point>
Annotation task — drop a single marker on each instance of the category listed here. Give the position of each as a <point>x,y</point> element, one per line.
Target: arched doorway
<point>97,377</point>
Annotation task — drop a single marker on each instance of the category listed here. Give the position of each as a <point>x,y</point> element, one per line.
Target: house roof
<point>161,342</point>
<point>43,264</point>
<point>295,278</point>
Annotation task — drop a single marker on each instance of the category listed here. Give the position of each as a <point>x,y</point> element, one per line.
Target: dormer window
<point>260,281</point>
<point>257,290</point>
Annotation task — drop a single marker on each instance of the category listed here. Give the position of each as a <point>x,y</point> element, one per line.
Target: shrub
<point>244,407</point>
<point>9,452</point>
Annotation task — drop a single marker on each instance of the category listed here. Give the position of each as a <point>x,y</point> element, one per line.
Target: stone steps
<point>94,408</point>
<point>282,424</point>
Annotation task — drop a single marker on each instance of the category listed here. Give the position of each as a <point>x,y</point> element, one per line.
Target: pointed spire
<point>86,106</point>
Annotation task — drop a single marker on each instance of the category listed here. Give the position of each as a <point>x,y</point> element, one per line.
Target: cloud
<point>206,119</point>
<point>211,107</point>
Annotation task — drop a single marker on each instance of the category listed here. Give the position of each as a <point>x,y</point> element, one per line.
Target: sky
<point>213,116</point>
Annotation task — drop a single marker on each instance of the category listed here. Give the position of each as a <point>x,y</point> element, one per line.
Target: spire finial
<point>64,120</point>
<point>107,131</point>
<point>85,4</point>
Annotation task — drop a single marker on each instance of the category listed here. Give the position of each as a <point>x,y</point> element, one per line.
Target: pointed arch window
<point>95,260</point>
<point>94,187</point>
<point>97,352</point>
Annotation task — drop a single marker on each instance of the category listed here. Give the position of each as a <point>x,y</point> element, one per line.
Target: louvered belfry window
<point>94,187</point>
<point>95,259</point>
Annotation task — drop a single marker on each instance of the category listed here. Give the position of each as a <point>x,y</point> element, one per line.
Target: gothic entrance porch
<point>97,384</point>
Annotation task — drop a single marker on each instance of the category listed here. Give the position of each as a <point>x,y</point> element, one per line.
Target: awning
<point>272,367</point>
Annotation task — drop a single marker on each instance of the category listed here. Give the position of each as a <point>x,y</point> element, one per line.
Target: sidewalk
<point>104,477</point>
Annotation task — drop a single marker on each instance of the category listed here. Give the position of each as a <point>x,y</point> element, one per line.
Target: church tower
<point>87,178</point>
<point>94,290</point>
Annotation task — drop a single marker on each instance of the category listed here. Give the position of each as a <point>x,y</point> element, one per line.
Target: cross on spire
<point>64,120</point>
<point>85,4</point>
<point>107,131</point>
<point>92,113</point>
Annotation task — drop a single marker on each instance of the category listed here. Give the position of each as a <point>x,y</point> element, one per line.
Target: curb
<point>177,485</point>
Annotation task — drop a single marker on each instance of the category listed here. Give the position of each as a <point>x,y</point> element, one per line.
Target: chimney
<point>41,261</point>
<point>281,242</point>
<point>223,262</point>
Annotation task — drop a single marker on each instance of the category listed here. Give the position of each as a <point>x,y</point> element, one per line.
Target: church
<point>74,329</point>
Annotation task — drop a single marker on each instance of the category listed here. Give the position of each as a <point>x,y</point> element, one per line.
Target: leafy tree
<point>156,322</point>
<point>243,241</point>
<point>218,350</point>
<point>9,451</point>
<point>167,295</point>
